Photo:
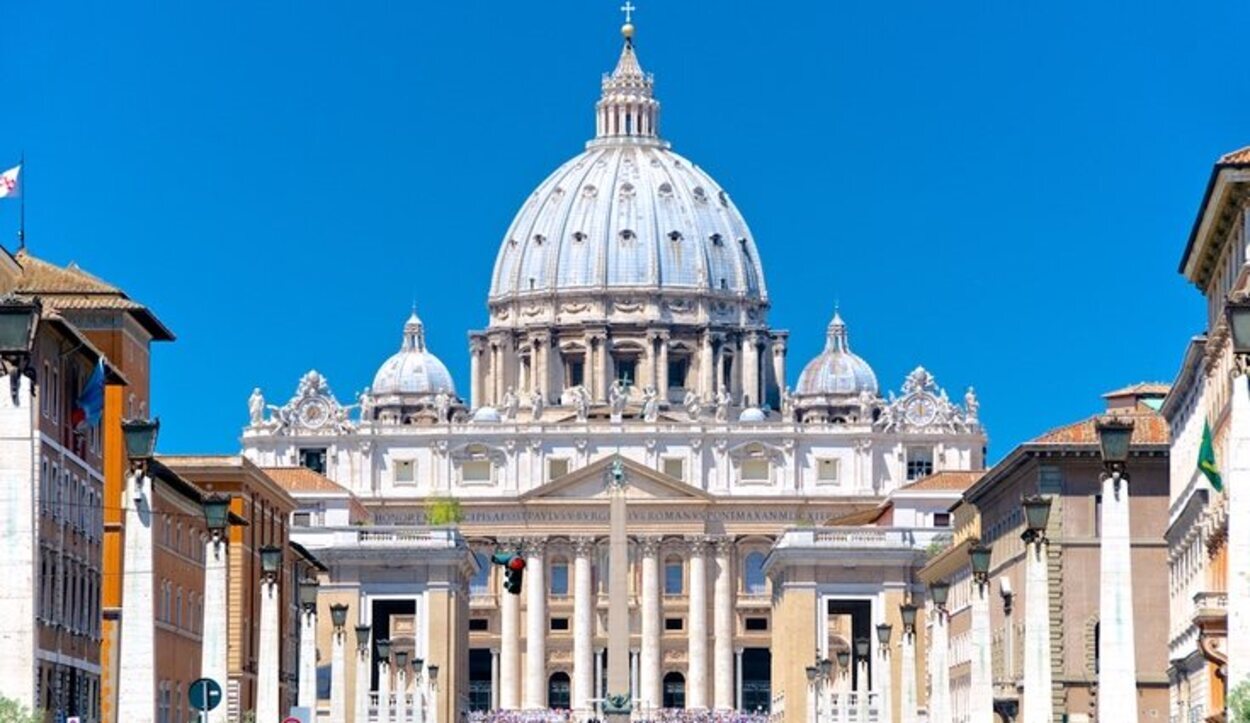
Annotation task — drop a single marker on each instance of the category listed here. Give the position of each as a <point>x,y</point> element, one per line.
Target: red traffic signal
<point>516,563</point>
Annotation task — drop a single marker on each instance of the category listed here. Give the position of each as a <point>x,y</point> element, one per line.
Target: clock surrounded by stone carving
<point>314,413</point>
<point>921,411</point>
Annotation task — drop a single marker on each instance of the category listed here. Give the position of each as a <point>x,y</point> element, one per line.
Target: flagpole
<point>21,201</point>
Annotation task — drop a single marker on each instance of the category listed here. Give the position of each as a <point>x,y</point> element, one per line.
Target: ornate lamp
<point>417,665</point>
<point>384,649</point>
<point>1237,314</point>
<point>884,632</point>
<point>907,611</point>
<point>812,671</point>
<point>338,615</point>
<point>217,515</point>
<point>401,659</point>
<point>432,671</point>
<point>826,667</point>
<point>1036,517</point>
<point>270,562</point>
<point>308,595</point>
<point>979,557</point>
<point>939,592</point>
<point>19,320</point>
<point>1114,437</point>
<point>362,636</point>
<point>862,645</point>
<point>140,439</point>
<point>844,659</point>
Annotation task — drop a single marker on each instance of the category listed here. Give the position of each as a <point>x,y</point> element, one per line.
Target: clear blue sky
<point>999,191</point>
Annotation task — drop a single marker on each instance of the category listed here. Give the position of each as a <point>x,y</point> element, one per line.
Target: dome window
<point>627,235</point>
<point>511,243</point>
<point>627,190</point>
<point>538,239</point>
<point>724,199</point>
<point>578,236</point>
<point>699,194</point>
<point>589,191</point>
<point>724,284</point>
<point>665,190</point>
<point>674,236</point>
<point>716,239</point>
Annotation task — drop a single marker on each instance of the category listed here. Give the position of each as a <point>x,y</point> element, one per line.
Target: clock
<point>921,411</point>
<point>314,413</point>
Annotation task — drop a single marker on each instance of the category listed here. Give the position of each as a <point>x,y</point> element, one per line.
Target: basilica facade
<point>627,332</point>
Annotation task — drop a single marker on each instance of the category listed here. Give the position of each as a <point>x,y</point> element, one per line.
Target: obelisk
<point>618,601</point>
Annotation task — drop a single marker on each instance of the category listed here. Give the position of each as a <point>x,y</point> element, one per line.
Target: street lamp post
<point>1117,670</point>
<point>384,681</point>
<point>137,650</point>
<point>882,679</point>
<point>908,700</point>
<point>418,690</point>
<point>863,648</point>
<point>431,672</point>
<point>269,649</point>
<point>307,697</point>
<point>214,660</point>
<point>981,683</point>
<point>1038,707</point>
<point>843,687</point>
<point>401,686</point>
<point>1237,491</point>
<point>19,321</point>
<point>364,667</point>
<point>939,655</point>
<point>818,680</point>
<point>338,664</point>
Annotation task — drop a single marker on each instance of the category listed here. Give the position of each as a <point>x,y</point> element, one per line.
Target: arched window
<point>559,577</point>
<point>674,691</point>
<point>672,576</point>
<point>558,691</point>
<point>753,574</point>
<point>480,584</point>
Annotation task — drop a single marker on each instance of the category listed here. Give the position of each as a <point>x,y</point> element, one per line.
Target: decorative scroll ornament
<point>925,406</point>
<point>312,410</point>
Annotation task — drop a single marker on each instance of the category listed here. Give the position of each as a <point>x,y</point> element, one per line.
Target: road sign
<point>292,719</point>
<point>205,694</point>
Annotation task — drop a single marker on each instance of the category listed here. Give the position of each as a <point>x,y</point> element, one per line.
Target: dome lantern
<point>627,108</point>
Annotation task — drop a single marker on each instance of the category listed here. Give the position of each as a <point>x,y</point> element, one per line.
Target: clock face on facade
<point>921,411</point>
<point>313,413</point>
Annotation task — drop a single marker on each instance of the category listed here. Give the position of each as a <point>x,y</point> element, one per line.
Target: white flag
<point>8,182</point>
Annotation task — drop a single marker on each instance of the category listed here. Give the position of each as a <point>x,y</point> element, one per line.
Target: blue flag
<point>90,403</point>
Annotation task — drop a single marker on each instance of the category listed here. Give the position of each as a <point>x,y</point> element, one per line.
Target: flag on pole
<point>1206,459</point>
<point>90,402</point>
<point>9,185</point>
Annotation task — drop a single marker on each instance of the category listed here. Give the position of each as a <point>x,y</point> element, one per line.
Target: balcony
<point>1210,611</point>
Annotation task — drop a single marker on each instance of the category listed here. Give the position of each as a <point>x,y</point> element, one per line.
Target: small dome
<point>413,370</point>
<point>836,371</point>
<point>486,415</point>
<point>752,414</point>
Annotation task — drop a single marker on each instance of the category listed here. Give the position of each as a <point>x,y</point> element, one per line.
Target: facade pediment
<point>594,481</point>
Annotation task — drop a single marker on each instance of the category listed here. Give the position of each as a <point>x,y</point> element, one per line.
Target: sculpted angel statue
<point>536,405</point>
<point>256,407</point>
<point>365,401</point>
<point>650,404</point>
<point>442,406</point>
<point>581,403</point>
<point>511,404</point>
<point>692,404</point>
<point>617,397</point>
<point>971,405</point>
<point>722,406</point>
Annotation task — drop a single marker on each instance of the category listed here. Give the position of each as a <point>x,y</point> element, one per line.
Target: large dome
<point>628,214</point>
<point>413,370</point>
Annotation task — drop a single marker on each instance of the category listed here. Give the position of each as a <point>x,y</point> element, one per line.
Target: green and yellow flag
<point>1206,459</point>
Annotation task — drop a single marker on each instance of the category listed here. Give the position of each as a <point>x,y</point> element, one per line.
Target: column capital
<point>534,546</point>
<point>654,335</point>
<point>649,544</point>
<point>724,544</point>
<point>697,544</point>
<point>584,546</point>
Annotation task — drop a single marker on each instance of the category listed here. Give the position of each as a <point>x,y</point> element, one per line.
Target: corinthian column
<point>583,627</point>
<point>696,679</point>
<point>509,649</point>
<point>535,625</point>
<point>649,663</point>
<point>722,623</point>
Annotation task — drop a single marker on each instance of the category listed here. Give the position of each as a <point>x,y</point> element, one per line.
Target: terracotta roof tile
<point>39,276</point>
<point>302,479</point>
<point>1241,155</point>
<point>1141,388</point>
<point>1148,428</point>
<point>954,481</point>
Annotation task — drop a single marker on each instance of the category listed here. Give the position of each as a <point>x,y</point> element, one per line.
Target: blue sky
<point>998,191</point>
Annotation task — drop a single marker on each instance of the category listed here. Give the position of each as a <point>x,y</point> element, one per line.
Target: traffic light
<point>513,570</point>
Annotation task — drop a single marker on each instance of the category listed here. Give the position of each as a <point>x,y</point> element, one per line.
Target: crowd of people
<point>666,715</point>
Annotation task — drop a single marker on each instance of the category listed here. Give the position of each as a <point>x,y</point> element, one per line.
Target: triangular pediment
<point>593,482</point>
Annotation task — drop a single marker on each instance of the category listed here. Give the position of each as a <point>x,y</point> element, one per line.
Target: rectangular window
<point>1097,516</point>
<point>755,470</point>
<point>672,577</point>
<point>674,624</point>
<point>557,467</point>
<point>675,467</point>
<point>476,470</point>
<point>754,625</point>
<point>559,624</point>
<point>479,625</point>
<point>827,470</point>
<point>301,519</point>
<point>405,471</point>
<point>919,462</point>
<point>576,372</point>
<point>313,458</point>
<point>677,373</point>
<point>559,578</point>
<point>626,371</point>
<point>941,519</point>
